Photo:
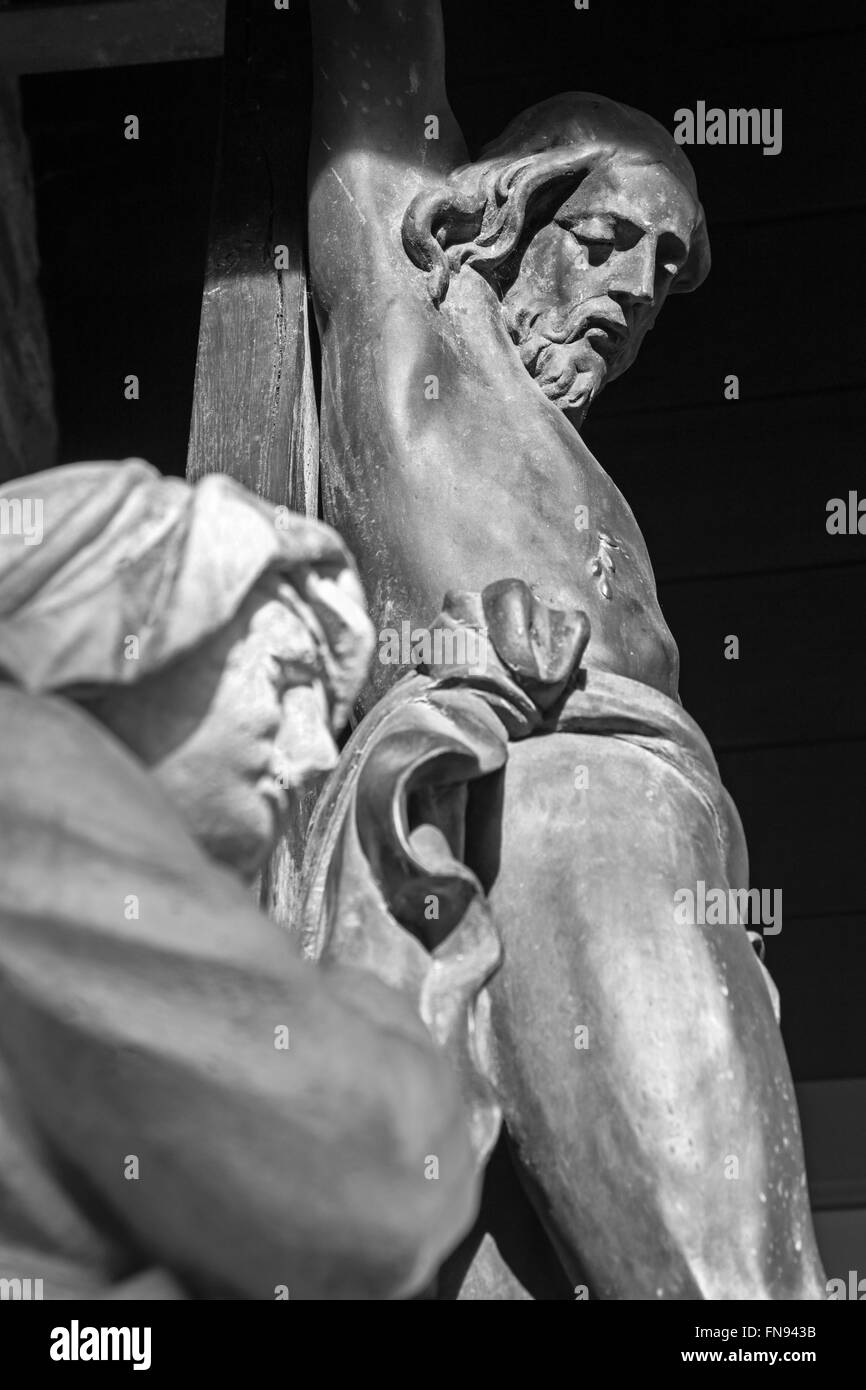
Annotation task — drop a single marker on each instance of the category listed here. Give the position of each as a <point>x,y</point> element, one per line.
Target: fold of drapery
<point>408,819</point>
<point>93,554</point>
<point>179,1090</point>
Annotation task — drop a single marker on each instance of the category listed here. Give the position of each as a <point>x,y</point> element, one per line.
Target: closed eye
<point>597,250</point>
<point>287,672</point>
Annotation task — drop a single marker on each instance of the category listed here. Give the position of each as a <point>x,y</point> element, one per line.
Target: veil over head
<point>124,551</point>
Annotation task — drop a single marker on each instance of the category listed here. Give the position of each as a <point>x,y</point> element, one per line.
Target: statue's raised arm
<point>382,129</point>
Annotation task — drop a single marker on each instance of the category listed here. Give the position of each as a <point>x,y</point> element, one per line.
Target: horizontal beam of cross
<point>64,37</point>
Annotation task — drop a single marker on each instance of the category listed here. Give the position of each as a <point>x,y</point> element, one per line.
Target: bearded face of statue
<point>593,278</point>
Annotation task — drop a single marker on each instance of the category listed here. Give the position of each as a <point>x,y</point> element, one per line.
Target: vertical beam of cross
<point>28,434</point>
<point>254,413</point>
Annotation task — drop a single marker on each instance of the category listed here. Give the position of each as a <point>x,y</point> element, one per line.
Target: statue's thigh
<point>644,1079</point>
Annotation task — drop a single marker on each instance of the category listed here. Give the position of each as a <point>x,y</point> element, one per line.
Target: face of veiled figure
<point>233,729</point>
<point>594,277</point>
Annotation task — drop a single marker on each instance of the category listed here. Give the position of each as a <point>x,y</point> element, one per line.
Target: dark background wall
<point>731,495</point>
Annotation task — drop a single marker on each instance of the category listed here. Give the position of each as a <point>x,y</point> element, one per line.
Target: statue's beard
<point>570,360</point>
<point>570,374</point>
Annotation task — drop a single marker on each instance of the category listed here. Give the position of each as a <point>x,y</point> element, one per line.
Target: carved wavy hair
<point>486,211</point>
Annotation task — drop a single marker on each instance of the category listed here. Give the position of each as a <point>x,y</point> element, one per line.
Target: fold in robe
<point>148,1119</point>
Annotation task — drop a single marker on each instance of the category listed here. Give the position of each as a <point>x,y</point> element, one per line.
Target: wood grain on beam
<point>112,33</point>
<point>28,437</point>
<point>254,411</point>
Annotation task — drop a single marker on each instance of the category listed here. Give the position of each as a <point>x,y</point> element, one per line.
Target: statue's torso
<point>445,467</point>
